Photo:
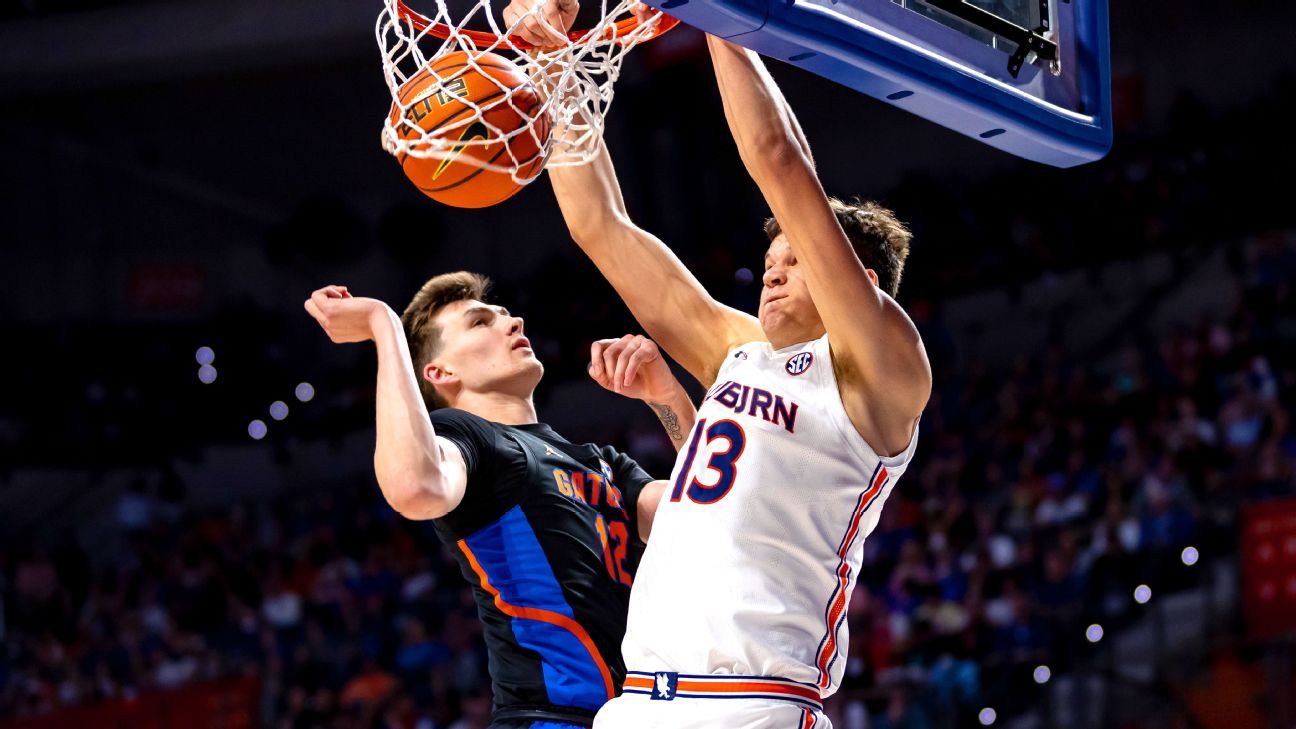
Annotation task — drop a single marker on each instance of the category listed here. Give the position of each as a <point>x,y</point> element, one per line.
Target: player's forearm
<point>589,196</point>
<point>660,292</point>
<point>677,416</point>
<point>407,461</point>
<point>760,120</point>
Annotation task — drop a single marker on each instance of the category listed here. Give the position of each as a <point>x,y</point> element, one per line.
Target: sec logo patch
<point>799,363</point>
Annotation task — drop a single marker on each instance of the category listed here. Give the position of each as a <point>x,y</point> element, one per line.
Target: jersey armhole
<point>846,428</point>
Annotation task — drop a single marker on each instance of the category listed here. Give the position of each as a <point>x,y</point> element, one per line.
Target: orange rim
<point>485,38</point>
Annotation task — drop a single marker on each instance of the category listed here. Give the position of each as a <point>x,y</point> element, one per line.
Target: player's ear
<point>438,375</point>
<point>872,276</point>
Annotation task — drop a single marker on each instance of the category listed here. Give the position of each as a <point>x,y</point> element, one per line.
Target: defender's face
<point>787,313</point>
<point>483,349</point>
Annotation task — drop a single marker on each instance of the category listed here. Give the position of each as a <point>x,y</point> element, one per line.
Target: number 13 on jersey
<point>723,462</point>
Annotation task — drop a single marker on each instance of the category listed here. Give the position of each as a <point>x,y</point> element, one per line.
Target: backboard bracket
<point>1027,41</point>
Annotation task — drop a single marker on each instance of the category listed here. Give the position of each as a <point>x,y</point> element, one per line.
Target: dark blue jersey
<point>547,536</point>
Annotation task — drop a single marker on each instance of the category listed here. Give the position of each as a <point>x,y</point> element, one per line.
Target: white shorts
<point>677,701</point>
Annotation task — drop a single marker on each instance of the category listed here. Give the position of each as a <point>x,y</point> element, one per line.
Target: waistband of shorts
<point>669,685</point>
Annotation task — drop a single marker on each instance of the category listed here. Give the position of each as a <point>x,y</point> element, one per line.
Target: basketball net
<point>574,82</point>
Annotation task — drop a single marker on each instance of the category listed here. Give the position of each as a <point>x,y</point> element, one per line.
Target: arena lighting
<point>1142,594</point>
<point>205,355</point>
<point>278,410</point>
<point>305,392</point>
<point>987,716</point>
<point>257,429</point>
<point>1190,556</point>
<point>206,374</point>
<point>1042,674</point>
<point>1094,633</point>
<point>744,276</point>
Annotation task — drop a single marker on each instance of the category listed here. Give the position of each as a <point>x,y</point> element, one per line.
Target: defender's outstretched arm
<point>874,342</point>
<point>422,475</point>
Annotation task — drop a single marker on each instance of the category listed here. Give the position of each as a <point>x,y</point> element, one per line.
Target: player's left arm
<point>875,346</point>
<point>633,366</point>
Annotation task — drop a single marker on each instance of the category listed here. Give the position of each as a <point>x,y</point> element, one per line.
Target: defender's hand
<point>633,366</point>
<point>343,317</point>
<point>544,23</point>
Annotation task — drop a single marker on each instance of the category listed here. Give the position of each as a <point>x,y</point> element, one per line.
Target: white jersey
<point>758,539</point>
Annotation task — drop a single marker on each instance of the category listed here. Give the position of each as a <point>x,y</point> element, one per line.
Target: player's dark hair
<point>420,325</point>
<point>879,238</point>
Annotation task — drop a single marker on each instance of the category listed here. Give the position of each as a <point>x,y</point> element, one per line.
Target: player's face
<point>787,313</point>
<point>484,349</point>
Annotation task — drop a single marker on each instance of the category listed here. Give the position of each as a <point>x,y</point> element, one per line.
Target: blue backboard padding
<point>923,83</point>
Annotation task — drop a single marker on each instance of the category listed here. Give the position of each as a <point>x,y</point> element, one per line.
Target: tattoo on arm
<point>669,420</point>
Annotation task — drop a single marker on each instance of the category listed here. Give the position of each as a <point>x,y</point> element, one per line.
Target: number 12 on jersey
<point>723,462</point>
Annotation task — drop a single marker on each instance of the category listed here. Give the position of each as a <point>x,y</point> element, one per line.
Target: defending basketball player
<point>811,417</point>
<point>543,529</point>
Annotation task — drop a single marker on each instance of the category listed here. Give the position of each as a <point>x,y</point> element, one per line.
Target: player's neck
<point>499,407</point>
<point>782,339</point>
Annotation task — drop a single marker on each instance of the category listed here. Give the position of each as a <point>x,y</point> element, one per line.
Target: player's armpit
<point>649,498</point>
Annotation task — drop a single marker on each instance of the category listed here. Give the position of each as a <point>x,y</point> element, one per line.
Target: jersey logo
<point>664,687</point>
<point>606,468</point>
<point>799,363</point>
<point>740,354</point>
<point>551,452</point>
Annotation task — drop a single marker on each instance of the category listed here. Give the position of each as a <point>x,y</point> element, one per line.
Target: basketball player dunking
<point>811,417</point>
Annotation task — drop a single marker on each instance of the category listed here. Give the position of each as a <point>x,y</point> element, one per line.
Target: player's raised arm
<point>876,347</point>
<point>421,475</point>
<point>665,297</point>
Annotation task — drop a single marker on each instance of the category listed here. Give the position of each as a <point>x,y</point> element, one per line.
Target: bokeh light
<point>305,392</point>
<point>1142,594</point>
<point>206,374</point>
<point>257,429</point>
<point>205,355</point>
<point>278,410</point>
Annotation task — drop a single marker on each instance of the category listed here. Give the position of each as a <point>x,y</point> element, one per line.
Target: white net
<point>465,88</point>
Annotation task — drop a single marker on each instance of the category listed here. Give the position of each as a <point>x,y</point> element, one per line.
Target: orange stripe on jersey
<point>638,682</point>
<point>840,594</point>
<point>544,616</point>
<point>808,719</point>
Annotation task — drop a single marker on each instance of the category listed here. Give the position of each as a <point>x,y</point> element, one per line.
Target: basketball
<point>462,99</point>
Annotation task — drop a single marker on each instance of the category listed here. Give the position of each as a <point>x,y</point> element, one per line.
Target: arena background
<point>1112,347</point>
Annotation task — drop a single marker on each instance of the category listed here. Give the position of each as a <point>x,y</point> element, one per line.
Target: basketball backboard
<point>1030,77</point>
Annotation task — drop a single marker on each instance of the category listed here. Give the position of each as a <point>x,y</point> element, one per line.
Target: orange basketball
<point>442,100</point>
